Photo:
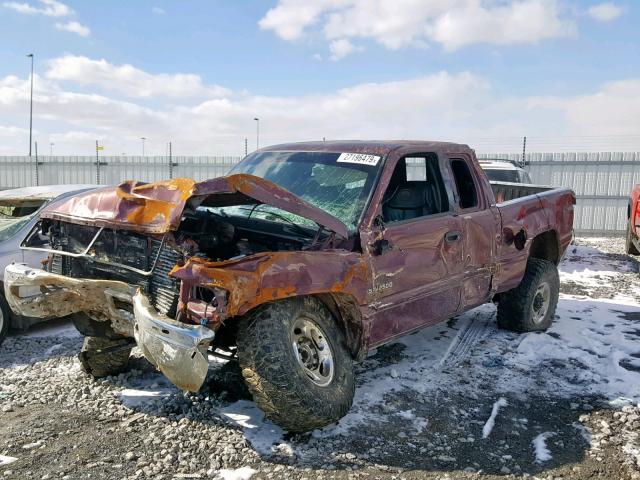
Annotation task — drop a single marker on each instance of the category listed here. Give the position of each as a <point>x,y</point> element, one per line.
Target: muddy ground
<point>422,406</point>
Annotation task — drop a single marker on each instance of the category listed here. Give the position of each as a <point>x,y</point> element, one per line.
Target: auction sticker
<point>359,158</point>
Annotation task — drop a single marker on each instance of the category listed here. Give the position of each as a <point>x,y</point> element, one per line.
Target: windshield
<point>338,183</point>
<point>11,227</point>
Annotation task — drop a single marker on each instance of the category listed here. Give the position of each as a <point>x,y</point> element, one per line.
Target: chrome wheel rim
<point>313,351</point>
<point>540,304</point>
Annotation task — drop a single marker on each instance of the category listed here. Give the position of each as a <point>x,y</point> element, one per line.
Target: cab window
<point>415,190</point>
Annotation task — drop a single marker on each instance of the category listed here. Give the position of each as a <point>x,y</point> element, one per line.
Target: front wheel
<point>530,306</point>
<point>295,361</point>
<point>629,246</point>
<point>5,317</point>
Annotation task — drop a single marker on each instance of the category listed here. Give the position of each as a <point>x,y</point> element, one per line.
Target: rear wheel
<point>102,357</point>
<point>531,305</point>
<point>5,318</point>
<point>296,363</point>
<point>630,247</point>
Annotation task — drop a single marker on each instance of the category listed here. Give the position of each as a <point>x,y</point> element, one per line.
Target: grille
<point>164,290</point>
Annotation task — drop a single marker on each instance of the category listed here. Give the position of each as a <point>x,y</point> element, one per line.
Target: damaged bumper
<point>178,350</point>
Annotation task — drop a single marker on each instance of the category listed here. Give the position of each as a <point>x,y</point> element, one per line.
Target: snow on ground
<point>592,349</point>
<point>542,453</point>
<point>4,460</point>
<point>491,421</point>
<point>265,437</point>
<point>244,473</point>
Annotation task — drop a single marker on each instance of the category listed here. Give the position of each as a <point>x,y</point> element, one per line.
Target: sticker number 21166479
<point>359,158</point>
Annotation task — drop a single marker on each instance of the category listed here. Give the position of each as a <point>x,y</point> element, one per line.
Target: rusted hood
<point>157,207</point>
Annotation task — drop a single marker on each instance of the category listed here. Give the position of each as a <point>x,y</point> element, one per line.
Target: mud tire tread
<point>271,372</point>
<point>6,317</point>
<point>514,312</point>
<point>629,247</point>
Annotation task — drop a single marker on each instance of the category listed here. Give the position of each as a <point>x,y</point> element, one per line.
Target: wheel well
<point>545,247</point>
<point>342,306</point>
<point>346,311</point>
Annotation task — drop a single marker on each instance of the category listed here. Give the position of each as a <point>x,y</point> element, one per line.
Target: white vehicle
<point>501,170</point>
<point>19,210</point>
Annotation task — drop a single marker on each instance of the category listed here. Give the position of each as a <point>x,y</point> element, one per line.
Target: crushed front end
<point>116,276</point>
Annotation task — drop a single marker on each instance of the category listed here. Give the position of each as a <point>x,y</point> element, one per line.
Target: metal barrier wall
<point>21,171</point>
<point>602,181</point>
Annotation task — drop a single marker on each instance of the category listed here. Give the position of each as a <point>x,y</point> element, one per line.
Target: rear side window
<point>467,191</point>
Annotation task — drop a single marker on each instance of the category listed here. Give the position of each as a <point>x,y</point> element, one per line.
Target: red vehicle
<point>296,264</point>
<point>632,245</point>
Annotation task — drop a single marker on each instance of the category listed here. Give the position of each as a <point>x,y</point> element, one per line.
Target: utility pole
<point>524,149</point>
<point>143,139</point>
<point>31,106</point>
<point>257,132</point>
<point>51,144</point>
<point>246,147</point>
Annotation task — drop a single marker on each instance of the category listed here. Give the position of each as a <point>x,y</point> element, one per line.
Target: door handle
<point>451,237</point>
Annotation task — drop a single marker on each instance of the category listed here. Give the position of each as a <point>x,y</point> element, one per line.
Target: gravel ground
<point>421,410</point>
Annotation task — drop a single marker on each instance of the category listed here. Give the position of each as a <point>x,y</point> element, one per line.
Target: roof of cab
<point>375,147</point>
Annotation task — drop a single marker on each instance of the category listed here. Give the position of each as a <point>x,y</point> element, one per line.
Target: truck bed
<point>507,191</point>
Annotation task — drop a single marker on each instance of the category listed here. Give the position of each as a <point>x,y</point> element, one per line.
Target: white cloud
<point>50,8</point>
<point>400,23</point>
<point>128,80</point>
<point>441,106</point>
<point>158,10</point>
<point>341,48</point>
<point>605,12</point>
<point>74,27</point>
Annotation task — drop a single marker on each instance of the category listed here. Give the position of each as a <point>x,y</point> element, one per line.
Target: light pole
<point>51,149</point>
<point>257,132</point>
<point>143,139</point>
<point>31,105</point>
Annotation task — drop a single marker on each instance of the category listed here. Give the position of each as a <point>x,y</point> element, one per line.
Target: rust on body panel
<point>270,276</point>
<point>157,207</point>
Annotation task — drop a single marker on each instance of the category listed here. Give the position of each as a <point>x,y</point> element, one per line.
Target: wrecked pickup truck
<point>295,265</point>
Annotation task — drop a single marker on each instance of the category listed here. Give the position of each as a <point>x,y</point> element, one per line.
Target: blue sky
<point>496,70</point>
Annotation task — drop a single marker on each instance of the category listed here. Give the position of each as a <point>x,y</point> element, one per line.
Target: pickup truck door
<point>415,259</point>
<point>481,225</point>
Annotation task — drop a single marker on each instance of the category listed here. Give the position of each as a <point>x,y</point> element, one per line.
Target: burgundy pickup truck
<point>295,265</point>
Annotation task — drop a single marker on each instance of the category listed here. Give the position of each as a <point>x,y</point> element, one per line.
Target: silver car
<point>19,210</point>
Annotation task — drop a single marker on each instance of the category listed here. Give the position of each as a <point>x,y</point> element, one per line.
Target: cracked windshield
<point>337,183</point>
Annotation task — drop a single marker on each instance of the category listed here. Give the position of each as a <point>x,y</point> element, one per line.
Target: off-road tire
<point>274,376</point>
<point>515,306</point>
<point>102,357</point>
<point>629,246</point>
<point>5,317</point>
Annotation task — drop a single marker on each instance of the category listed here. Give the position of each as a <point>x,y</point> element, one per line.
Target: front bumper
<point>178,350</point>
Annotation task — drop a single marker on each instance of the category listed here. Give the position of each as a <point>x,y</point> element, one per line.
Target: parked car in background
<point>502,170</point>
<point>19,210</point>
<point>295,265</point>
<point>633,222</point>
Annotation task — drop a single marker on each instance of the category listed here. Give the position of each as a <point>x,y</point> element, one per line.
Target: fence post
<point>97,165</point>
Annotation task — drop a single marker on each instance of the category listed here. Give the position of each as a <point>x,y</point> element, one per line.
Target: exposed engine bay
<point>145,260</point>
